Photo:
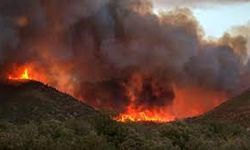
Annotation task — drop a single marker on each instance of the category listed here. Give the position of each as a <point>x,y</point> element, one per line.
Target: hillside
<point>31,100</point>
<point>36,116</point>
<point>235,110</point>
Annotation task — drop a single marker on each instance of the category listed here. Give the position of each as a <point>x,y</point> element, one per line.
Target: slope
<point>235,110</point>
<point>22,101</point>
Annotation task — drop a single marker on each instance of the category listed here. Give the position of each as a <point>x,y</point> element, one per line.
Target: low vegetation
<point>101,133</point>
<point>35,116</point>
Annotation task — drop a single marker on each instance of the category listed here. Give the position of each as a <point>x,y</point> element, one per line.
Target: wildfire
<point>31,71</point>
<point>185,103</point>
<point>22,76</point>
<point>152,115</point>
<point>27,72</point>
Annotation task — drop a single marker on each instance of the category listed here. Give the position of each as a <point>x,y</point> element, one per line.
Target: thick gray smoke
<point>197,3</point>
<point>95,47</point>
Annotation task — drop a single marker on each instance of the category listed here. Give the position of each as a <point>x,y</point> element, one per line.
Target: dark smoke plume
<point>97,47</point>
<point>196,3</point>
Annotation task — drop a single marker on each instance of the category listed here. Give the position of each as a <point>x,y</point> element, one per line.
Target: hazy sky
<point>216,19</point>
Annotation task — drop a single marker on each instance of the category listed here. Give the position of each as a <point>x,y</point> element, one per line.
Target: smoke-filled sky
<point>197,3</point>
<point>109,51</point>
<point>216,17</point>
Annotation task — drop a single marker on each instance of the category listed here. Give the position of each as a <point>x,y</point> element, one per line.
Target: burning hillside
<point>142,98</point>
<point>118,54</point>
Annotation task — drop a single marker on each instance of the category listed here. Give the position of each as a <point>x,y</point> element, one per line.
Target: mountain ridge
<point>24,100</point>
<point>36,116</point>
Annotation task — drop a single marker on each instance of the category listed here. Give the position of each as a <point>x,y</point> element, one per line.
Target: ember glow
<point>154,114</point>
<point>136,111</point>
<point>23,76</point>
<point>22,73</point>
<point>122,55</point>
<point>26,72</point>
<point>179,109</point>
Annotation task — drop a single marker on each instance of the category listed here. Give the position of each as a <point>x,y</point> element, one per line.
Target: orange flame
<point>27,72</point>
<point>149,115</point>
<point>31,71</point>
<point>188,102</point>
<point>185,103</point>
<point>23,76</point>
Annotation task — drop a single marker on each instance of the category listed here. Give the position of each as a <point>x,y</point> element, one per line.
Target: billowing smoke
<point>196,3</point>
<point>244,31</point>
<point>108,52</point>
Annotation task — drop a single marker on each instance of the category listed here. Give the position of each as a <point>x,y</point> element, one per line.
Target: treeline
<point>102,133</point>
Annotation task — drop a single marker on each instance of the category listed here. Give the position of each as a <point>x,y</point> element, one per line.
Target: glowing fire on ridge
<point>153,115</point>
<point>197,104</point>
<point>23,76</point>
<point>27,72</point>
<point>185,104</point>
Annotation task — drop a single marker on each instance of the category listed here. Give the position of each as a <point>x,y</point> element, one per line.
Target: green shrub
<point>102,133</point>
